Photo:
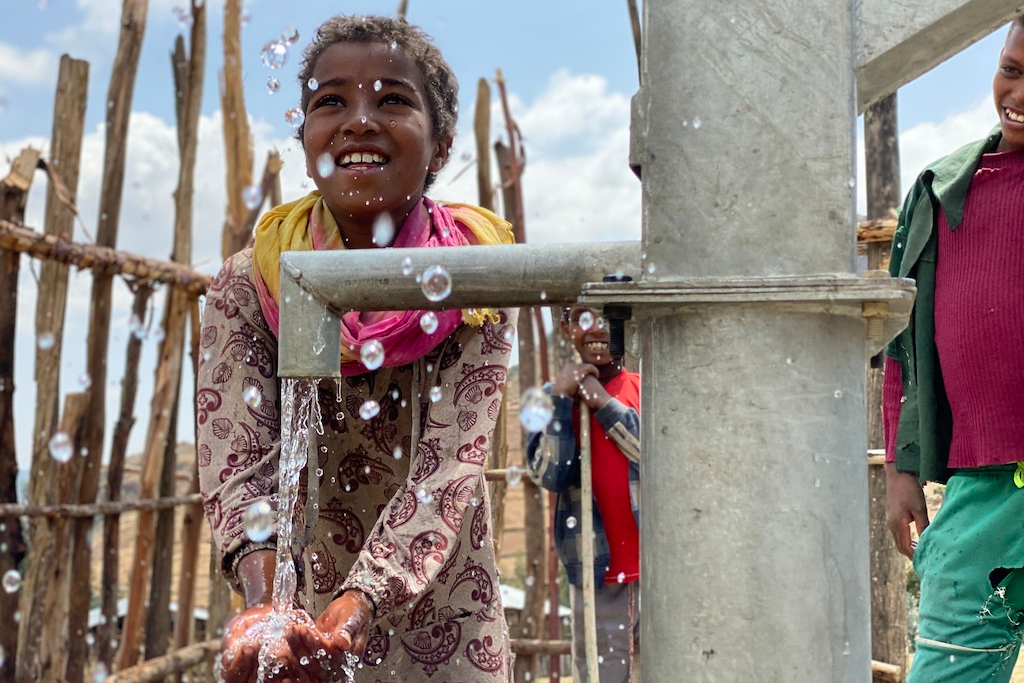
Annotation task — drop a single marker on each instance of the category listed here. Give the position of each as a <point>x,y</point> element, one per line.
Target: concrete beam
<point>898,40</point>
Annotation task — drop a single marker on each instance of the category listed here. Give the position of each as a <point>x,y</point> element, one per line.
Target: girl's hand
<point>345,625</point>
<point>295,655</point>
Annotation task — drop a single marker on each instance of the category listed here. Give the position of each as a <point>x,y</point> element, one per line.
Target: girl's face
<point>368,134</point>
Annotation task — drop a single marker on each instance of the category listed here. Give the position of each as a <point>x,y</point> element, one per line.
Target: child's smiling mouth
<point>355,158</point>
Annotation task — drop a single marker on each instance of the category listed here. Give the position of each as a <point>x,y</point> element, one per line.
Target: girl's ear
<point>442,149</point>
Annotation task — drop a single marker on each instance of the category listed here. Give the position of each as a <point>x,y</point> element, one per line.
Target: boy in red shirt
<point>552,456</point>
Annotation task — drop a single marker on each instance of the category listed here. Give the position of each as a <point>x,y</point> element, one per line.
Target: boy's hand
<point>593,392</point>
<point>905,504</point>
<point>571,378</point>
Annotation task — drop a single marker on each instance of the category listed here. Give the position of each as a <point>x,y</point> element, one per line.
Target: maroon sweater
<point>979,321</point>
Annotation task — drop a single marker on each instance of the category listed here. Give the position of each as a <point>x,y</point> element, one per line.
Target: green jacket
<point>926,421</point>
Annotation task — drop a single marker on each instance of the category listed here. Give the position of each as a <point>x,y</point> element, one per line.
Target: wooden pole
<point>482,130</point>
<point>168,375</point>
<point>888,567</point>
<point>587,513</point>
<point>115,475</point>
<point>13,195</point>
<point>104,261</point>
<point>119,99</point>
<point>191,521</point>
<point>237,136</point>
<point>41,642</point>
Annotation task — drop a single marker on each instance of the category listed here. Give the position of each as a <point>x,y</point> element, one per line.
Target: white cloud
<point>26,67</point>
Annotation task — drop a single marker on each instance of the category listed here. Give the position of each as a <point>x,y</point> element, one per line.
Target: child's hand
<point>294,654</point>
<point>593,392</point>
<point>571,378</point>
<point>345,624</point>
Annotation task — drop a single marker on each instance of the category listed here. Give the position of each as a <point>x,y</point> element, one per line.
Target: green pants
<point>970,561</point>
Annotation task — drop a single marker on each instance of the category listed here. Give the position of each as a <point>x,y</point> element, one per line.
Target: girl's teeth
<point>1017,118</point>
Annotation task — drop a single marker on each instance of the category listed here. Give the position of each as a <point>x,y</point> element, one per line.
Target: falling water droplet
<point>274,54</point>
<point>586,320</point>
<point>252,396</point>
<point>11,581</point>
<point>313,84</point>
<point>570,522</point>
<point>535,409</point>
<point>258,521</point>
<point>46,341</point>
<point>696,122</point>
<point>61,448</point>
<point>383,230</point>
<point>428,322</point>
<point>325,165</point>
<point>377,85</point>
<point>435,394</point>
<point>436,283</point>
<point>407,266</point>
<point>294,117</point>
<point>369,409</point>
<point>100,672</point>
<point>397,453</point>
<point>252,197</point>
<point>372,354</point>
<point>424,496</point>
<point>273,85</point>
<point>513,475</point>
<point>839,393</point>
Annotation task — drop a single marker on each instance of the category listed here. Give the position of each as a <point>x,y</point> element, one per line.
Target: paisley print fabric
<point>406,523</point>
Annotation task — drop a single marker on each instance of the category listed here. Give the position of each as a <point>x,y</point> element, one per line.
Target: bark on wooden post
<point>168,374</point>
<point>119,98</point>
<point>13,195</point>
<point>888,567</point>
<point>43,636</point>
<point>158,616</point>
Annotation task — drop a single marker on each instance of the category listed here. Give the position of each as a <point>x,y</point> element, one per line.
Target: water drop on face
<point>372,354</point>
<point>377,85</point>
<point>11,581</point>
<point>570,522</point>
<point>61,448</point>
<point>435,394</point>
<point>313,84</point>
<point>258,521</point>
<point>325,165</point>
<point>513,475</point>
<point>252,396</point>
<point>535,410</point>
<point>252,197</point>
<point>274,54</point>
<point>436,283</point>
<point>428,322</point>
<point>407,266</point>
<point>46,341</point>
<point>369,409</point>
<point>383,230</point>
<point>273,85</point>
<point>586,320</point>
<point>295,117</point>
<point>290,35</point>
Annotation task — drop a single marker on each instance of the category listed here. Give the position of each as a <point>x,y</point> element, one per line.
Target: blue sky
<point>570,68</point>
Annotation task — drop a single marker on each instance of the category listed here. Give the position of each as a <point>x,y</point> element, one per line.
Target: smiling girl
<point>396,562</point>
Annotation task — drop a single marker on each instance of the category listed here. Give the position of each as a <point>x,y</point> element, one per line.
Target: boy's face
<point>371,118</point>
<point>589,334</point>
<point>1008,90</point>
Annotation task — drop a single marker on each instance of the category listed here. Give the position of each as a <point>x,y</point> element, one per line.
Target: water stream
<point>300,411</point>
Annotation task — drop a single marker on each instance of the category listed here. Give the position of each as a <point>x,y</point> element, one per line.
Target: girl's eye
<point>327,100</point>
<point>1009,70</point>
<point>393,98</point>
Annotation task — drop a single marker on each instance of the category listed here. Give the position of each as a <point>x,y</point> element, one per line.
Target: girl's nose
<point>361,121</point>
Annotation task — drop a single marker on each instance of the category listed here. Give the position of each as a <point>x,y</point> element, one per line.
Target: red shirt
<point>611,485</point>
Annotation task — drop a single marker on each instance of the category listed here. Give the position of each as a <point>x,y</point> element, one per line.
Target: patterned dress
<point>409,526</point>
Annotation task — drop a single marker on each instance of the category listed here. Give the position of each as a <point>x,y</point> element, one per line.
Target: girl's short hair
<point>439,79</point>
